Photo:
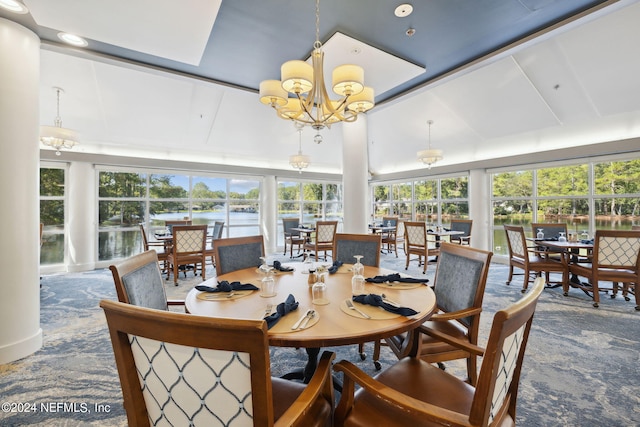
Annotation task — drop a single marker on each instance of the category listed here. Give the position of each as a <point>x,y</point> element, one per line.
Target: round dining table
<point>333,324</point>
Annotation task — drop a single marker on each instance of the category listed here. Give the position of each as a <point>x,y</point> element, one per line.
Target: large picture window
<point>127,199</point>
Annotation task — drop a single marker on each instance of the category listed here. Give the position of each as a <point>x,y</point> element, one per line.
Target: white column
<point>355,175</point>
<point>20,333</point>
<point>268,214</point>
<point>479,205</point>
<point>81,223</point>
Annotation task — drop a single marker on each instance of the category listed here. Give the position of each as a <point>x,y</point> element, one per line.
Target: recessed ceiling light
<point>14,6</point>
<point>72,39</point>
<point>403,10</point>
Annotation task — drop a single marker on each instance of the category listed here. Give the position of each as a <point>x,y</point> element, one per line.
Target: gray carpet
<point>581,367</point>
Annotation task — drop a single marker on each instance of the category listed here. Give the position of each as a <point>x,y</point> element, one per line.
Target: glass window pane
<point>454,188</point>
<point>380,193</point>
<point>289,191</point>
<point>516,212</point>
<point>513,184</point>
<point>563,181</point>
<point>52,213</point>
<point>114,244</point>
<point>51,182</point>
<point>120,213</point>
<point>209,188</point>
<point>244,189</point>
<point>311,212</point>
<point>311,191</point>
<point>333,212</point>
<point>402,209</point>
<point>617,177</point>
<point>561,210</point>
<point>455,210</point>
<point>334,192</point>
<point>121,184</point>
<point>427,212</point>
<point>169,186</point>
<point>401,191</point>
<point>159,212</point>
<point>426,190</point>
<point>616,213</point>
<point>52,249</point>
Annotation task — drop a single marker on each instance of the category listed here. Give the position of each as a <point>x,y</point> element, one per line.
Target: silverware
<point>310,315</point>
<point>353,307</point>
<point>267,311</point>
<point>297,324</point>
<point>390,302</point>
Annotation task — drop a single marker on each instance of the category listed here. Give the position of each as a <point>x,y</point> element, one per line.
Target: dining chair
<point>414,392</point>
<point>189,243</point>
<point>292,237</point>
<point>216,233</point>
<point>459,286</point>
<point>324,240</point>
<point>367,245</point>
<point>237,253</point>
<point>615,258</point>
<point>182,369</point>
<point>390,238</point>
<point>159,247</point>
<point>550,230</point>
<point>138,281</point>
<point>530,259</point>
<point>415,234</point>
<point>463,225</point>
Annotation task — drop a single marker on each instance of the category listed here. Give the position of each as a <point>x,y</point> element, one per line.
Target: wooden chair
<point>237,253</point>
<point>390,238</point>
<point>459,286</point>
<point>616,258</point>
<point>181,369</point>
<point>138,281</point>
<point>367,245</point>
<point>415,234</point>
<point>159,247</point>
<point>463,225</point>
<point>170,223</point>
<point>291,237</point>
<point>530,259</point>
<point>413,392</point>
<point>551,230</point>
<point>324,240</point>
<point>216,234</point>
<point>188,248</point>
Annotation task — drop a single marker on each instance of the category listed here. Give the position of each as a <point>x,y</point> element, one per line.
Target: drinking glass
<point>540,234</point>
<point>268,285</point>
<point>357,281</point>
<point>358,268</point>
<point>562,237</point>
<point>319,293</point>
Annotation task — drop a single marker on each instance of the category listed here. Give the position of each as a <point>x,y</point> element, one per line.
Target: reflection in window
<point>52,193</point>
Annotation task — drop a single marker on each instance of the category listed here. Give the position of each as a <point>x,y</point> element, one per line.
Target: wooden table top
<point>334,326</point>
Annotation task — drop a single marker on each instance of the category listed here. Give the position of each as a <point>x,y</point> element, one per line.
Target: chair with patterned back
<point>415,234</point>
<point>463,225</point>
<point>529,259</point>
<point>189,244</point>
<point>459,286</point>
<point>616,258</point>
<point>158,247</point>
<point>414,392</point>
<point>390,238</point>
<point>138,281</point>
<point>237,253</point>
<point>291,237</point>
<point>324,240</point>
<point>216,234</point>
<point>367,245</point>
<point>180,369</point>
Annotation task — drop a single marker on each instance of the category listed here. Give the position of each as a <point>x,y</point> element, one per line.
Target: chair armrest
<point>453,315</point>
<point>175,302</point>
<point>410,405</point>
<point>463,345</point>
<point>320,386</point>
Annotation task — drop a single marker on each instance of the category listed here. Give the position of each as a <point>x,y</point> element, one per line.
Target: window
<point>127,199</point>
<point>52,214</point>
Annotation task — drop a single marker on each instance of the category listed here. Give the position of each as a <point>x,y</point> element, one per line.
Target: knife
<point>295,325</point>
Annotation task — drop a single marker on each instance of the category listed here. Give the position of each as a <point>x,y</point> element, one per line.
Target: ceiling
<point>498,78</point>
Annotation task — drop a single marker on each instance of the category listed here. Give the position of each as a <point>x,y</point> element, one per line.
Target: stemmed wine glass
<point>562,237</point>
<point>357,281</point>
<point>267,288</point>
<point>540,234</point>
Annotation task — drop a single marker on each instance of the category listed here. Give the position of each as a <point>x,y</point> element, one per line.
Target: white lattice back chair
<point>417,243</point>
<point>179,369</point>
<point>414,392</point>
<point>324,240</point>
<point>189,248</point>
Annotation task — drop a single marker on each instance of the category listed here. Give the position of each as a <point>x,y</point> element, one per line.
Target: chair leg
<point>363,355</point>
<point>510,275</point>
<point>376,354</point>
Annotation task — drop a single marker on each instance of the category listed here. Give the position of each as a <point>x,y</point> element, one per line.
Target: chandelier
<point>309,103</point>
<point>299,161</point>
<point>56,136</point>
<point>430,155</point>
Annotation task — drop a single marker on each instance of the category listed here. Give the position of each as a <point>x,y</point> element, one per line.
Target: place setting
<point>225,291</point>
<point>396,281</point>
<point>374,307</point>
<point>288,318</point>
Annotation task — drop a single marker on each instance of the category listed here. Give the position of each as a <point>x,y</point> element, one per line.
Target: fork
<point>267,311</point>
<point>357,310</point>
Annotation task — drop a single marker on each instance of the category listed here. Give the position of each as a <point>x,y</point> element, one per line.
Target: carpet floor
<point>581,366</point>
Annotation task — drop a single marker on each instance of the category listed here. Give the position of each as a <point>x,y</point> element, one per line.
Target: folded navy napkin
<point>395,277</point>
<point>587,241</point>
<point>376,300</point>
<point>225,286</point>
<point>284,308</point>
<point>278,266</point>
<point>334,268</point>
